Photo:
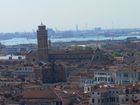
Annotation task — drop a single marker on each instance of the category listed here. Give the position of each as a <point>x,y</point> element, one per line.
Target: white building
<point>24,72</point>
<point>104,76</point>
<point>126,76</point>
<point>105,96</point>
<point>14,49</point>
<point>12,57</point>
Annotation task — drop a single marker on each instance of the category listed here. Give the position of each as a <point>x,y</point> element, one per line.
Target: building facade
<point>126,76</point>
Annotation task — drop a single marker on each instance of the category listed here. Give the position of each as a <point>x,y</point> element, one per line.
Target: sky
<point>26,15</point>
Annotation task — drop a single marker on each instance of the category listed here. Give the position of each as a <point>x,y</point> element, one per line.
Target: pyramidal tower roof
<point>42,24</point>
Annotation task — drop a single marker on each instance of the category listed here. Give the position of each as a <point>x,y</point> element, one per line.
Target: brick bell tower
<point>42,40</point>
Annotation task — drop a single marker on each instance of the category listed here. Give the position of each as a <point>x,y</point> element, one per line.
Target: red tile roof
<point>40,94</point>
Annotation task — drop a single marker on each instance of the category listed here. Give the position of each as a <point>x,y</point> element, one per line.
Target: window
<point>88,89</point>
<point>93,100</point>
<point>125,74</point>
<point>57,103</point>
<point>132,75</point>
<point>109,79</point>
<point>135,75</point>
<point>119,75</point>
<point>102,100</point>
<point>98,100</point>
<point>117,99</point>
<point>127,91</point>
<point>126,99</point>
<point>95,78</point>
<point>60,102</point>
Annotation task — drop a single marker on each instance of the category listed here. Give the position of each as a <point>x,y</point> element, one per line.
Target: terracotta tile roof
<point>86,74</point>
<point>131,102</point>
<point>40,94</point>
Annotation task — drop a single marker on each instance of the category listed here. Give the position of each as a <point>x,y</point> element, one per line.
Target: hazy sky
<point>25,15</point>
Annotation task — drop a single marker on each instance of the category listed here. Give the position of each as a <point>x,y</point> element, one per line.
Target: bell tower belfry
<point>42,41</point>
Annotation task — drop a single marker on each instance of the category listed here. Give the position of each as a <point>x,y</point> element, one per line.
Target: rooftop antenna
<point>112,30</point>
<point>77,28</point>
<point>34,33</point>
<point>46,24</point>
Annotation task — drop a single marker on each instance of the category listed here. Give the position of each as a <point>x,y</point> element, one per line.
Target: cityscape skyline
<point>18,15</point>
<point>91,72</point>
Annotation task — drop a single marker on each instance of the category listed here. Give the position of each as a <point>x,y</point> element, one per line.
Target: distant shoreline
<point>16,41</point>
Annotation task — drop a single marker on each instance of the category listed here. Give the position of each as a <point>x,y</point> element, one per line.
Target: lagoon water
<point>16,41</point>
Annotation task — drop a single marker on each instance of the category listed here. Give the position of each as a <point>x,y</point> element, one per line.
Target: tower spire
<point>41,23</point>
